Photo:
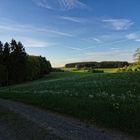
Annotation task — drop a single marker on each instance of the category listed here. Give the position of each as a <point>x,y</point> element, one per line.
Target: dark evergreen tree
<point>1,52</point>
<point>6,54</point>
<point>16,66</point>
<point>6,61</point>
<point>1,47</point>
<point>13,45</point>
<point>18,62</point>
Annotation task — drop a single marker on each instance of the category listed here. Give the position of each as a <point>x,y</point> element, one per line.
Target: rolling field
<point>109,70</point>
<point>106,70</point>
<point>109,100</point>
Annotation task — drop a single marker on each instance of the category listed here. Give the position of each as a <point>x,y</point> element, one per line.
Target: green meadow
<point>111,100</point>
<point>106,70</point>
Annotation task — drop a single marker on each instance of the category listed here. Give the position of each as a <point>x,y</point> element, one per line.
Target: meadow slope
<point>110,100</point>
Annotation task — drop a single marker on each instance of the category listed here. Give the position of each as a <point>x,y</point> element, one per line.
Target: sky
<point>66,31</point>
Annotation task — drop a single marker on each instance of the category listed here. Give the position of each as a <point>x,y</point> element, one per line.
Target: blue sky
<point>73,30</point>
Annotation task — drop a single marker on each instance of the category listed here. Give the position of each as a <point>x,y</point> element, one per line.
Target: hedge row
<point>104,64</point>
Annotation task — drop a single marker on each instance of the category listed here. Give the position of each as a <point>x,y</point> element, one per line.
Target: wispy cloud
<point>133,36</point>
<point>116,49</point>
<point>96,39</point>
<point>28,34</point>
<point>100,43</point>
<point>75,48</point>
<point>102,40</point>
<point>73,19</point>
<point>32,42</point>
<point>70,4</point>
<point>92,39</point>
<point>43,3</point>
<point>60,4</point>
<point>56,32</point>
<point>30,28</point>
<point>118,24</point>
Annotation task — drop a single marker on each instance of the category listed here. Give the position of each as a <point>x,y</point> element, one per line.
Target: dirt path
<point>63,127</point>
<point>14,126</point>
<point>4,132</point>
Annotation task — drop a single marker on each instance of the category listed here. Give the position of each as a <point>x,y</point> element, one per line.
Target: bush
<point>95,71</point>
<point>133,67</point>
<point>57,70</point>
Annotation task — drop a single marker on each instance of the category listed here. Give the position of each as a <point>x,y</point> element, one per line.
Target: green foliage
<point>112,100</point>
<point>36,67</point>
<point>16,66</point>
<point>33,68</point>
<point>131,68</point>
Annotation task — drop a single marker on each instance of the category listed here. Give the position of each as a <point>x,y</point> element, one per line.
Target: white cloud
<point>118,24</point>
<point>56,32</point>
<point>75,48</point>
<point>73,19</point>
<point>43,3</point>
<point>92,40</point>
<point>97,40</point>
<point>31,42</point>
<point>70,4</point>
<point>103,40</point>
<point>100,44</point>
<point>30,28</point>
<point>116,49</point>
<point>133,36</point>
<point>10,29</point>
<point>60,4</point>
<point>16,28</point>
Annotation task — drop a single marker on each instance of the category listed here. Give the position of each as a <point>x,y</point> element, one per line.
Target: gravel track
<point>61,126</point>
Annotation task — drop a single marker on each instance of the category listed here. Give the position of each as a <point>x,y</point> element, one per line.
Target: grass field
<point>109,70</point>
<point>110,100</point>
<point>106,70</point>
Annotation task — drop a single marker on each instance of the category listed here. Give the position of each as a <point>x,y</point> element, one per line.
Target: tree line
<point>17,66</point>
<point>104,64</point>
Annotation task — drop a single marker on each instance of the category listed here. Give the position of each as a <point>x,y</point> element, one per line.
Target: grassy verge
<point>106,70</point>
<point>111,100</point>
<point>109,70</point>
